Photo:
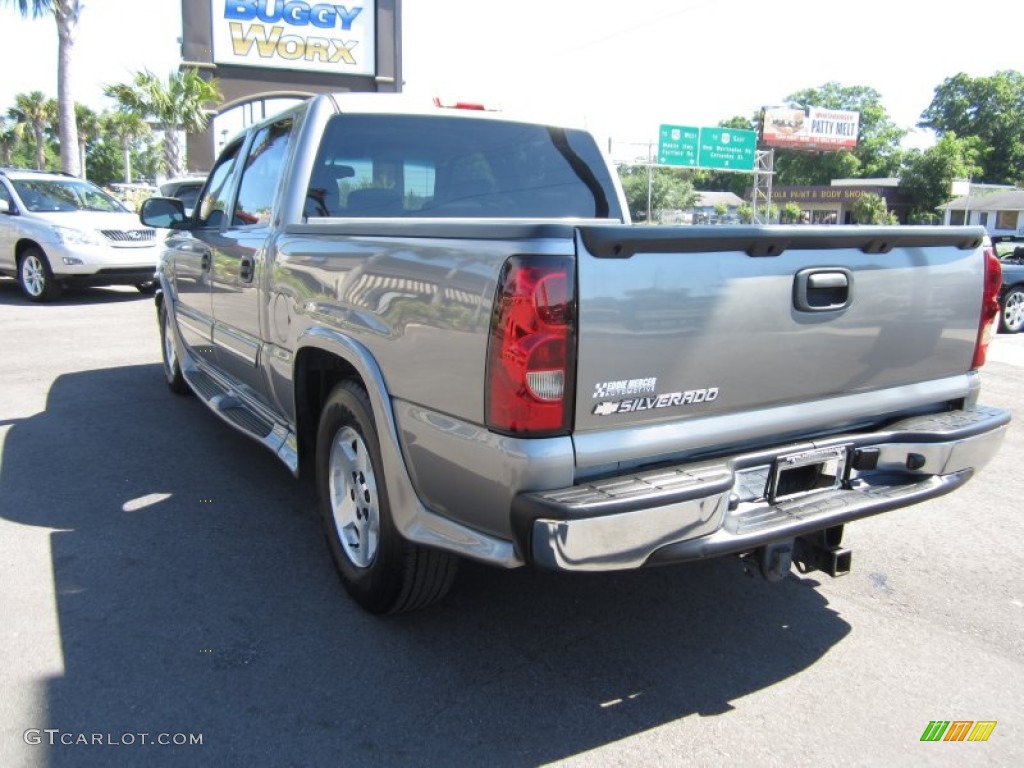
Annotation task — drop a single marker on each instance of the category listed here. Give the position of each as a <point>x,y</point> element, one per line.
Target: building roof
<point>879,182</point>
<point>711,199</point>
<point>1012,200</point>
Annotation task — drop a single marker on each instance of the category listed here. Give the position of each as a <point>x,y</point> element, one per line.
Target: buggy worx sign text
<point>320,37</point>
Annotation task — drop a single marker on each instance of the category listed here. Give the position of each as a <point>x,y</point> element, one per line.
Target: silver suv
<point>58,230</point>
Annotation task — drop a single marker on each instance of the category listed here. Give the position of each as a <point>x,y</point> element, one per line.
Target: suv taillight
<point>989,307</point>
<point>531,353</point>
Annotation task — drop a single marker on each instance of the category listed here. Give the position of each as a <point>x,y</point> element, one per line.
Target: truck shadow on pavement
<point>195,595</point>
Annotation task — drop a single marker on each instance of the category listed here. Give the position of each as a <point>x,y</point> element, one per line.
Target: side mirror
<point>5,207</point>
<point>163,212</point>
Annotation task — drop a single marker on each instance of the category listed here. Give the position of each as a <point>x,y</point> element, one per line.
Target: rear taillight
<point>989,307</point>
<point>530,357</point>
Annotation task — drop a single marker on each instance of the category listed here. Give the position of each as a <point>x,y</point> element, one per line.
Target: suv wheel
<point>35,277</point>
<point>1011,319</point>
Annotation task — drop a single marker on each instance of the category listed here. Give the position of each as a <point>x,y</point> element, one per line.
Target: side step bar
<point>242,414</point>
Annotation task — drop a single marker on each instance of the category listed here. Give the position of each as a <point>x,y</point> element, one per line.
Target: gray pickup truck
<point>446,318</point>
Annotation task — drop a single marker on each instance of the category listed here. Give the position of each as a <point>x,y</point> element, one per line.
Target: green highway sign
<point>678,145</point>
<point>727,149</point>
<point>720,149</point>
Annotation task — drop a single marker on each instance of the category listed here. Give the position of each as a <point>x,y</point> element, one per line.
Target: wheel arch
<point>324,359</point>
<point>23,245</point>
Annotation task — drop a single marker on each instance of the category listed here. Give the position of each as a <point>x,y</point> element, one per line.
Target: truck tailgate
<point>680,323</point>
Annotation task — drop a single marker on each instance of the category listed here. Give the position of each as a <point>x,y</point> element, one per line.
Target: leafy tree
<point>128,128</point>
<point>746,213</point>
<point>66,14</point>
<point>721,211</point>
<point>927,175</point>
<point>36,114</point>
<point>871,209</point>
<point>990,108</point>
<point>790,213</point>
<point>179,104</point>
<point>669,188</point>
<point>877,153</point>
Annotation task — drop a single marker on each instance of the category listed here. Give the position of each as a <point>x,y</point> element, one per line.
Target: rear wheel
<point>1011,319</point>
<point>382,572</point>
<point>172,368</point>
<point>35,277</point>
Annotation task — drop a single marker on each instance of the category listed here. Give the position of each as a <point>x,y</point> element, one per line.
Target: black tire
<point>35,278</point>
<point>379,569</point>
<point>169,355</point>
<point>147,288</point>
<point>1011,314</point>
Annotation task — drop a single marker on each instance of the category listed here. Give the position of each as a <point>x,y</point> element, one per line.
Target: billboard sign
<point>815,128</point>
<point>296,35</point>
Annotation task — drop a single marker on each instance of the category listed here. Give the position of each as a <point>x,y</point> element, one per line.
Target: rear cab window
<point>441,166</point>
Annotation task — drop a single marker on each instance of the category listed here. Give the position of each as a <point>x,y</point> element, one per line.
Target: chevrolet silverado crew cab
<point>445,316</point>
<point>57,230</point>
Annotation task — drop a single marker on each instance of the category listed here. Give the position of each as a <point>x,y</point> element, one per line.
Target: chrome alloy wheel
<point>33,275</point>
<point>170,353</point>
<point>353,497</point>
<point>1013,311</point>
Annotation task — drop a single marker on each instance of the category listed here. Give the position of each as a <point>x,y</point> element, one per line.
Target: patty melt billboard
<point>292,34</point>
<point>815,128</point>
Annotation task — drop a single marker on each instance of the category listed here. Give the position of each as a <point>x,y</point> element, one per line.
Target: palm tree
<point>34,112</point>
<point>88,123</point>
<point>178,104</point>
<point>129,128</point>
<point>10,135</point>
<point>66,13</point>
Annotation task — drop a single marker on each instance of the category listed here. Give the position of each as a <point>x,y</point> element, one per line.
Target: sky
<point>619,68</point>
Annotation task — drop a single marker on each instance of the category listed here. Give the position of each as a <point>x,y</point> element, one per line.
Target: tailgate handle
<point>823,289</point>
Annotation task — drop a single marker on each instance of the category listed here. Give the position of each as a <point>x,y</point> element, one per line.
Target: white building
<point>1000,211</point>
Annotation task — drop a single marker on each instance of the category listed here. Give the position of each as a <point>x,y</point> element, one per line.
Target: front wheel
<point>382,572</point>
<point>1011,319</point>
<point>35,278</point>
<point>172,368</point>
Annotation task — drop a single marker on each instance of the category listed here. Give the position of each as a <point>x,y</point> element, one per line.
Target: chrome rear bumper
<point>696,511</point>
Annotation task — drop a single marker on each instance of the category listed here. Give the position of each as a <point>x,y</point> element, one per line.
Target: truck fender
<point>413,520</point>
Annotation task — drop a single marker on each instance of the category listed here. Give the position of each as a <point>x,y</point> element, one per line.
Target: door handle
<point>822,289</point>
<point>246,269</point>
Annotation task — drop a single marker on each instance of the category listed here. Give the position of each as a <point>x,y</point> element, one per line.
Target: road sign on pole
<point>727,149</point>
<point>720,149</point>
<point>678,145</point>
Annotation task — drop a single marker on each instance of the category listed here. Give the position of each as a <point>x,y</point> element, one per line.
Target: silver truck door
<point>191,257</point>
<point>239,260</point>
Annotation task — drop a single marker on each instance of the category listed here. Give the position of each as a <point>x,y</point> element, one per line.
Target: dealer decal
<point>668,400</point>
<point>625,387</point>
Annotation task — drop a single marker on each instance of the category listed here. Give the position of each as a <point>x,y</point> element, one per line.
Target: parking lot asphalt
<point>161,575</point>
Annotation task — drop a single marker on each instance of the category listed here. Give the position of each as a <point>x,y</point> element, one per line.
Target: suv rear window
<point>438,166</point>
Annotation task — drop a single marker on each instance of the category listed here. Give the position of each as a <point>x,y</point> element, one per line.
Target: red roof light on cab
<point>444,104</point>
